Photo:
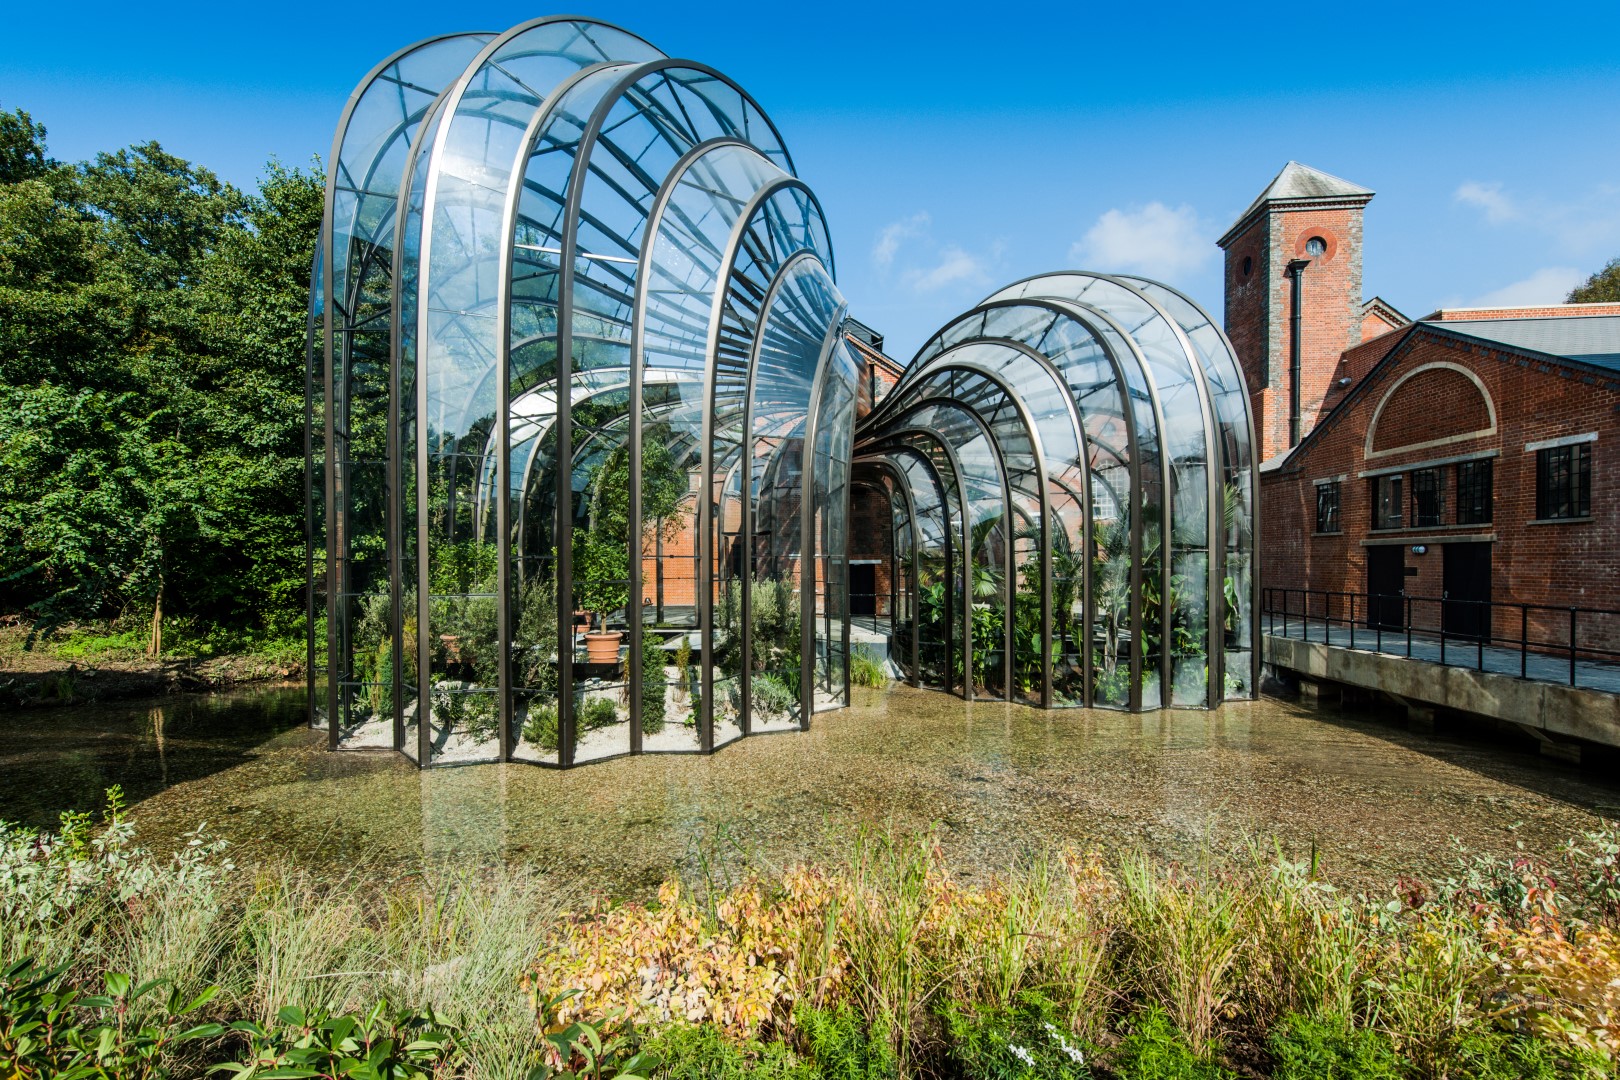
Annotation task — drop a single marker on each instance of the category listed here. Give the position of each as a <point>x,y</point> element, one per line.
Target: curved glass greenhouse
<point>585,424</point>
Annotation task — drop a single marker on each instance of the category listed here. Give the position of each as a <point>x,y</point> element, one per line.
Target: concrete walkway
<point>1538,667</point>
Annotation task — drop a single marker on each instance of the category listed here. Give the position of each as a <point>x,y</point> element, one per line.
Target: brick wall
<point>1259,307</point>
<point>1562,564</point>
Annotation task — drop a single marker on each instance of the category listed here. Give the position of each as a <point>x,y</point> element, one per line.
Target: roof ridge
<point>1298,182</point>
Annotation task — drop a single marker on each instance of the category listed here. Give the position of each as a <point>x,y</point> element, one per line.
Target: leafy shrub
<point>838,1043</point>
<point>379,1044</point>
<point>654,700</point>
<point>53,886</point>
<point>1026,1041</point>
<point>866,669</point>
<point>540,726</point>
<point>1155,1050</point>
<point>771,695</point>
<point>743,963</point>
<point>1329,1048</point>
<point>1485,1054</point>
<point>700,1052</point>
<point>50,1030</point>
<point>597,712</point>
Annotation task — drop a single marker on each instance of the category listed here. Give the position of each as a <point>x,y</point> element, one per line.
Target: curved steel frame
<point>718,232</point>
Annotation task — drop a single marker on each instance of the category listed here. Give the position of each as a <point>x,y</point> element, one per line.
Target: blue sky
<point>955,149</point>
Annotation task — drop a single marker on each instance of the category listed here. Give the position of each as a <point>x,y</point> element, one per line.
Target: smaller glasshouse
<point>587,421</point>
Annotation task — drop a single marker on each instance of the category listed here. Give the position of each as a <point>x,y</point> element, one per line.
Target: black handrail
<point>1279,603</point>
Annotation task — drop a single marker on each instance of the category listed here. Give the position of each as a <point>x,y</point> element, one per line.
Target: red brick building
<point>1471,455</point>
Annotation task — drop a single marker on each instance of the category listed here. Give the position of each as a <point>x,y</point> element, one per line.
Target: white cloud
<point>1155,240</point>
<point>891,236</point>
<point>1549,285</point>
<point>1584,226</point>
<point>955,266</point>
<point>1490,198</point>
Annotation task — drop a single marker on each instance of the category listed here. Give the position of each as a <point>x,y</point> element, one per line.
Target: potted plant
<point>602,547</point>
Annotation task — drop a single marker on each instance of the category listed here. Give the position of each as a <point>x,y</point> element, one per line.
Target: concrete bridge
<point>1564,703</point>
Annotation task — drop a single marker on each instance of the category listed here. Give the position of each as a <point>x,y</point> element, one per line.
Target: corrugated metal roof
<point>1592,339</point>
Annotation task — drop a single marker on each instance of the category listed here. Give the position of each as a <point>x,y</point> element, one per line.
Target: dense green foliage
<point>152,336</point>
<point>1600,287</point>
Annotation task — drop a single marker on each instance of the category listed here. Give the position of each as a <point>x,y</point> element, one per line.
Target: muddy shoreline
<point>38,680</point>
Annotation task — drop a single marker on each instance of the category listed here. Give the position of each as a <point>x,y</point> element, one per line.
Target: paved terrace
<point>1485,680</point>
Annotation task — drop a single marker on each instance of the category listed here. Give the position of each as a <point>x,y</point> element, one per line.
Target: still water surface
<point>995,780</point>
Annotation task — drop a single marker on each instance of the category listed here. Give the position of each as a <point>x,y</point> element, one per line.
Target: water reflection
<point>999,779</point>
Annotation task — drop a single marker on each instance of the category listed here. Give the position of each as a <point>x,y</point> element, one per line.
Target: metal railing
<point>1402,617</point>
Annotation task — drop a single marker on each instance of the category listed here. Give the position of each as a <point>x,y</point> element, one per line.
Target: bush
<point>597,712</point>
<point>700,1052</point>
<point>540,726</point>
<point>837,1042</point>
<point>381,1043</point>
<point>1023,1042</point>
<point>1155,1050</point>
<point>1329,1048</point>
<point>867,670</point>
<point>48,1029</point>
<point>772,696</point>
<point>654,684</point>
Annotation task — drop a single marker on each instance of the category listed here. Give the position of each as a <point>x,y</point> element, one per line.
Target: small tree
<point>602,549</point>
<point>1600,287</point>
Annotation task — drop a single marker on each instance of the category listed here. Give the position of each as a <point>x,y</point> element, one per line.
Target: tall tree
<point>1601,286</point>
<point>151,378</point>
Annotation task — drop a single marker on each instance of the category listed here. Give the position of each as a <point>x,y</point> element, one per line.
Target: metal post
<point>1352,598</point>
<point>1408,627</point>
<point>1443,602</point>
<point>1481,640</point>
<point>1524,641</point>
<point>1572,646</point>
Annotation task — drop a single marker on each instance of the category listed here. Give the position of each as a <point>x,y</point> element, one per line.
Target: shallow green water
<point>997,780</point>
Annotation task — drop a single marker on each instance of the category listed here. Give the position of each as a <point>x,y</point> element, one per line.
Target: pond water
<point>993,780</point>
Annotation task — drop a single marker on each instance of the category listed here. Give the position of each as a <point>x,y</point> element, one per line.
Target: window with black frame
<point>1474,492</point>
<point>1327,507</point>
<point>1564,482</point>
<point>1428,498</point>
<point>1387,505</point>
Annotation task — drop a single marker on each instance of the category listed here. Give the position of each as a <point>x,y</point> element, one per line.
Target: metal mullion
<point>650,234</point>
<point>396,467</point>
<point>1253,504</point>
<point>725,271</point>
<point>807,508</point>
<point>454,97</point>
<point>967,558</point>
<point>1212,458</point>
<point>780,277</point>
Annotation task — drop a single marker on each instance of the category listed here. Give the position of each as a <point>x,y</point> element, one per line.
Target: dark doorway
<point>1386,584</point>
<point>1467,584</point>
<point>863,588</point>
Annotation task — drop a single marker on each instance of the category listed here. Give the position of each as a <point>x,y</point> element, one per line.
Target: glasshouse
<point>590,425</point>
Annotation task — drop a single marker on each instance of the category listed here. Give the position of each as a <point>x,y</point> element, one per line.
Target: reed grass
<point>883,951</point>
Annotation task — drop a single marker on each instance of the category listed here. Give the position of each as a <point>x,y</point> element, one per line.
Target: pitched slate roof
<point>1591,339</point>
<point>1299,183</point>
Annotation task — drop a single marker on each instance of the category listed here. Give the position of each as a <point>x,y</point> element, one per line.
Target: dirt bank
<point>37,678</point>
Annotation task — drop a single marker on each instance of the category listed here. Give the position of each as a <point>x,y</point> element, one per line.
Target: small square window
<point>1387,504</point>
<point>1327,507</point>
<point>1474,492</point>
<point>1428,498</point>
<point>1564,482</point>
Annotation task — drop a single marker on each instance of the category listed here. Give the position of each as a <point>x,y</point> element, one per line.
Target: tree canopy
<point>152,334</point>
<point>1601,286</point>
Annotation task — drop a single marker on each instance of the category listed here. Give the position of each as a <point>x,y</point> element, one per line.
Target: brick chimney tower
<point>1296,251</point>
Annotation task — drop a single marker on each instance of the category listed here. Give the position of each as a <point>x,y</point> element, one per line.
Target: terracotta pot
<point>603,648</point>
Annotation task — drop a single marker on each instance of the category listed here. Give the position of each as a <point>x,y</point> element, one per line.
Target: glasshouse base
<point>589,420</point>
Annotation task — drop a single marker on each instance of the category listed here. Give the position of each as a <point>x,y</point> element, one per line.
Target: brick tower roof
<point>1300,185</point>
